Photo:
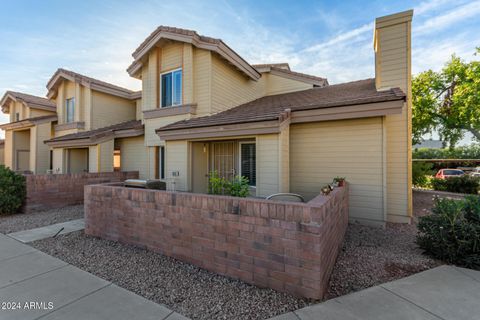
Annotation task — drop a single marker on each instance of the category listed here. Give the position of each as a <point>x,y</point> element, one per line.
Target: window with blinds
<point>248,162</point>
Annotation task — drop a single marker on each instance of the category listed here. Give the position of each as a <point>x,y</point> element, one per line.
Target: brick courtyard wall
<point>286,246</point>
<point>48,191</point>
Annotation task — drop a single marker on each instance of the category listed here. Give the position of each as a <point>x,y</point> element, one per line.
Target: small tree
<point>447,101</point>
<point>12,190</point>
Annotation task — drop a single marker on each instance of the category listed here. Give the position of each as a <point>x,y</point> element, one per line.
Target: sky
<point>324,38</point>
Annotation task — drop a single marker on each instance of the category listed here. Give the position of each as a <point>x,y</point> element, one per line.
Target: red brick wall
<point>47,191</point>
<point>290,247</point>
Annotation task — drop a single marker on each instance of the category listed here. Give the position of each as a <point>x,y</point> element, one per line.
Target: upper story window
<point>17,116</point>
<point>70,110</point>
<point>171,88</point>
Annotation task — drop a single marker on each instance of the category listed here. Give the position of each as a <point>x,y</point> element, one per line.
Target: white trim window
<point>70,110</point>
<point>171,88</point>
<point>248,162</point>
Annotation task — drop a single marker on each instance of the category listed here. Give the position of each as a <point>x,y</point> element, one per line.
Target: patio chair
<point>290,197</point>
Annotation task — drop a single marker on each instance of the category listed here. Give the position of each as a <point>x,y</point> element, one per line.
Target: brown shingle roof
<point>270,107</point>
<point>98,133</point>
<point>77,77</point>
<point>31,100</point>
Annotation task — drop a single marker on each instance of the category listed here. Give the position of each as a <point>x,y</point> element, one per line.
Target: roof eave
<point>221,48</point>
<point>353,111</point>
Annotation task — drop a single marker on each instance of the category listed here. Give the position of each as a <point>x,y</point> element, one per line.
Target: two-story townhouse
<point>287,142</point>
<point>185,75</point>
<point>96,120</point>
<point>31,122</point>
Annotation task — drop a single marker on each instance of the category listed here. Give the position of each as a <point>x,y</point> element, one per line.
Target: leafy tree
<point>448,101</point>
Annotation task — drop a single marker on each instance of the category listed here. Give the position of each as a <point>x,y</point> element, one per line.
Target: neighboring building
<point>430,144</point>
<point>31,122</point>
<point>95,121</point>
<point>290,142</point>
<point>2,152</point>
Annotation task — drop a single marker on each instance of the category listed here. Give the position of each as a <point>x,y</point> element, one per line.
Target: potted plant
<point>340,181</point>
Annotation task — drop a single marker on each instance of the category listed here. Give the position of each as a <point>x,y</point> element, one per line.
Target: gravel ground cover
<point>184,288</point>
<point>25,221</point>
<point>370,256</point>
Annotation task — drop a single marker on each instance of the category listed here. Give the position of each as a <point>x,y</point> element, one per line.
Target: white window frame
<point>173,89</point>
<point>240,158</point>
<point>66,109</point>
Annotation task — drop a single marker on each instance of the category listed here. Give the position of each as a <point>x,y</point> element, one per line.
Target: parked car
<point>448,173</point>
<point>475,172</point>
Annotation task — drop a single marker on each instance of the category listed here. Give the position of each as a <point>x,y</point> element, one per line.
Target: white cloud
<point>342,37</point>
<point>443,21</point>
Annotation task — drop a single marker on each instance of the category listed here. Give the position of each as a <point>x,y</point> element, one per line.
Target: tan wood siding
<point>267,164</point>
<point>108,110</point>
<point>151,138</point>
<point>202,79</point>
<point>177,157</point>
<point>277,84</point>
<point>352,149</point>
<point>42,155</point>
<point>2,155</point>
<point>231,88</point>
<point>8,150</point>
<point>106,156</point>
<point>134,155</point>
<point>393,70</point>
<point>94,158</point>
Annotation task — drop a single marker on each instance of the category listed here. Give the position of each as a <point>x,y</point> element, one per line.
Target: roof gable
<point>92,83</point>
<point>199,41</point>
<point>31,101</point>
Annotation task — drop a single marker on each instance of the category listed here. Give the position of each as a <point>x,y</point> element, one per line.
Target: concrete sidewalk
<point>34,285</point>
<point>446,292</point>
<point>48,231</point>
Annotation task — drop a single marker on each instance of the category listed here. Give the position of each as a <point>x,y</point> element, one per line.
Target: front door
<point>224,159</point>
<point>200,167</point>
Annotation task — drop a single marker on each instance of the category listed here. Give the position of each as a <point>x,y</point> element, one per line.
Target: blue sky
<point>324,38</point>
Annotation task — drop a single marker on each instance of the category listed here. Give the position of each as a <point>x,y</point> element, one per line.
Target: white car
<point>475,172</point>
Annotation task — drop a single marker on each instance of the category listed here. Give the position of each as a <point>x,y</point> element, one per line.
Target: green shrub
<point>421,174</point>
<point>452,232</point>
<point>238,187</point>
<point>216,184</point>
<point>12,190</point>
<point>464,184</point>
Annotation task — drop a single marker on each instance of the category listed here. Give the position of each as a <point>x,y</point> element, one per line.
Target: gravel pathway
<point>26,221</point>
<point>184,288</point>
